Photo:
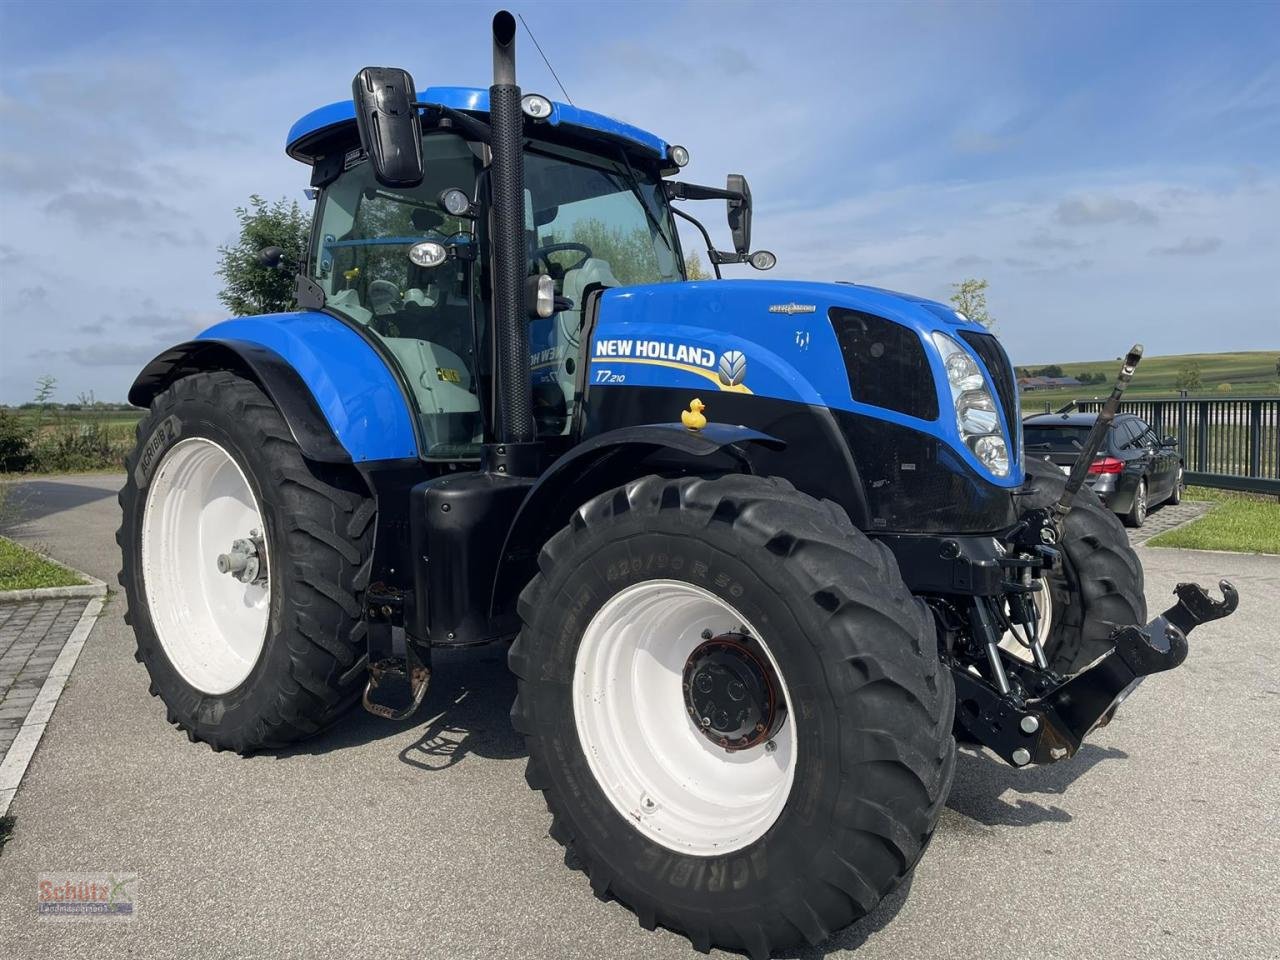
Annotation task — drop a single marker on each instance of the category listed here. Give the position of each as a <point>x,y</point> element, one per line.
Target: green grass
<point>20,569</point>
<point>1242,522</point>
<point>1250,374</point>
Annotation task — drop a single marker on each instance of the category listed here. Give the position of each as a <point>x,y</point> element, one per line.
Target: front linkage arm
<point>1051,723</point>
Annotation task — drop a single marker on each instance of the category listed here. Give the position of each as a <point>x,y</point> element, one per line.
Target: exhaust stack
<point>511,336</point>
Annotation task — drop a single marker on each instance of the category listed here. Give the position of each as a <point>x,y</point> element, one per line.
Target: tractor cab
<point>408,265</point>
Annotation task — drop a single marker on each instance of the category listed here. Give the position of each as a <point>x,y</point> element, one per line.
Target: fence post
<point>1202,437</point>
<point>1182,427</point>
<point>1255,438</point>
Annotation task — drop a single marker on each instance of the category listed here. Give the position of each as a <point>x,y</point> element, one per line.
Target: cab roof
<point>316,127</point>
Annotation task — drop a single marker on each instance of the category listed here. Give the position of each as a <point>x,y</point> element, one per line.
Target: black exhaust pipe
<point>506,177</point>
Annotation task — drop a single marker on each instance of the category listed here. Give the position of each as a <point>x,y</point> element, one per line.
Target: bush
<point>15,442</point>
<point>73,447</point>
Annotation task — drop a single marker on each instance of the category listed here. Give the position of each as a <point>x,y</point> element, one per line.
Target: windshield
<point>597,215</point>
<point>1056,437</point>
<point>592,223</point>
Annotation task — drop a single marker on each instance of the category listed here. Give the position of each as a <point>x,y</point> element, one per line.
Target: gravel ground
<point>420,839</point>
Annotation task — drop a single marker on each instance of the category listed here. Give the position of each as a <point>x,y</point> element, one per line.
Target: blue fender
<point>601,463</point>
<point>337,393</point>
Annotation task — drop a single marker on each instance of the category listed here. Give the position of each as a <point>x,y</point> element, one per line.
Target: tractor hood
<point>836,345</point>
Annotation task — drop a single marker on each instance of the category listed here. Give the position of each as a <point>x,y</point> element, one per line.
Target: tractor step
<point>396,686</point>
<point>1052,716</point>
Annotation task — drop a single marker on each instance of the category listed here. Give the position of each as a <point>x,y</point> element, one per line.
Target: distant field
<point>1250,374</point>
<point>103,418</point>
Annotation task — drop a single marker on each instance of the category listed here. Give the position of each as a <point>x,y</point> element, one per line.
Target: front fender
<point>601,463</point>
<point>341,400</point>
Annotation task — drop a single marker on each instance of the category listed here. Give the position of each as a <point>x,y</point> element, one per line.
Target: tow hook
<point>247,559</point>
<point>1051,724</point>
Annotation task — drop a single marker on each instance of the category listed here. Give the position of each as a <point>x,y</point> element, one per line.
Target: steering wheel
<point>541,253</point>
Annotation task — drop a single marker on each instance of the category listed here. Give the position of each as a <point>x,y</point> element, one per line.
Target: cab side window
<point>422,315</point>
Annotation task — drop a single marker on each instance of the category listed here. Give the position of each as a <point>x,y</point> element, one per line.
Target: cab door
<point>421,316</point>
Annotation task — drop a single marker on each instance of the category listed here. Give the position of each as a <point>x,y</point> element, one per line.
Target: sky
<point>1112,169</point>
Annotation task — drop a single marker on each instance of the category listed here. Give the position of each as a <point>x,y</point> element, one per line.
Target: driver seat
<point>593,271</point>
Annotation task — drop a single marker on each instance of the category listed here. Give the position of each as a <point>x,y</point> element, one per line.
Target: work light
<point>535,106</point>
<point>428,253</point>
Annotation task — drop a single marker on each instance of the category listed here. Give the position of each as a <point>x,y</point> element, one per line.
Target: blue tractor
<point>763,550</point>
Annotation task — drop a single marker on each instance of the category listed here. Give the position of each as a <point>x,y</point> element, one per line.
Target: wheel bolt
<point>707,634</point>
<point>706,721</point>
<point>770,747</point>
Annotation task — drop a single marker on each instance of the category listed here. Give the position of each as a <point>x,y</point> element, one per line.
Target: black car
<point>1133,471</point>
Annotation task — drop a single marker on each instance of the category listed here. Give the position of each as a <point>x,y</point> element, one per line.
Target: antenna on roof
<point>546,61</point>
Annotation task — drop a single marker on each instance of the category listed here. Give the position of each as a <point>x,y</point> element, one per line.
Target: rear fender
<point>339,396</point>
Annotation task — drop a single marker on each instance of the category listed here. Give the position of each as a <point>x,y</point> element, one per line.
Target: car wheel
<point>1175,497</point>
<point>1137,514</point>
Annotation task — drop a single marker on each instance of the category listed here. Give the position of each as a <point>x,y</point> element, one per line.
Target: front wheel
<point>1098,585</point>
<point>734,708</point>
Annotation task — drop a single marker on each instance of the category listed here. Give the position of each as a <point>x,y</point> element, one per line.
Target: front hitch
<point>1051,723</point>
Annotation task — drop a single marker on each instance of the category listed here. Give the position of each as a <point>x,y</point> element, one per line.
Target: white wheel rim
<point>666,778</point>
<point>1043,600</point>
<point>211,626</point>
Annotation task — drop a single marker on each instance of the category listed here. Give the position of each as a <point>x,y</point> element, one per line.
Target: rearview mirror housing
<point>390,130</point>
<point>1169,441</point>
<point>739,213</point>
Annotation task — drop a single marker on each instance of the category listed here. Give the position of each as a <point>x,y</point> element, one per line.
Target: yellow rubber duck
<point>693,418</point>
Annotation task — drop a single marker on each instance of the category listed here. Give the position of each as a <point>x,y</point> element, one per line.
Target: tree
<point>970,298</point>
<point>1224,388</point>
<point>248,287</point>
<point>694,270</point>
<point>1189,376</point>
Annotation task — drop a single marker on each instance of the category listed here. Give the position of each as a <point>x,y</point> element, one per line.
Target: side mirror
<point>739,213</point>
<point>1169,441</point>
<point>390,130</point>
<point>272,258</point>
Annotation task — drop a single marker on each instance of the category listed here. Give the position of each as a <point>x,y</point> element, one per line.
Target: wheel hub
<point>246,560</point>
<point>731,692</point>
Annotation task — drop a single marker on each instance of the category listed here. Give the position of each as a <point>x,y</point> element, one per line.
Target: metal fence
<point>1233,444</point>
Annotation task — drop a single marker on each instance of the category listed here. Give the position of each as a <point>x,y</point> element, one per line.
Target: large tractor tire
<point>734,709</point>
<point>242,661</point>
<point>1099,586</point>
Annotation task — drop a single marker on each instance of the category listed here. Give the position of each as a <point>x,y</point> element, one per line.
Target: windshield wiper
<point>634,186</point>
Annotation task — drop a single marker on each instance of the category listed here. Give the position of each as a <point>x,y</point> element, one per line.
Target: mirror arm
<point>712,253</point>
<point>677,190</point>
<point>476,129</point>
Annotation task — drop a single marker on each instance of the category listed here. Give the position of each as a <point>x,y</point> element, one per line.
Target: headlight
<point>976,416</point>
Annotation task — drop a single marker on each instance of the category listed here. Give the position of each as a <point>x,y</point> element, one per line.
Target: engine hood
<point>777,339</point>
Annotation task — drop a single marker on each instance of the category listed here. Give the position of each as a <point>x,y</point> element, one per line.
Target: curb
<point>92,586</point>
<point>24,744</point>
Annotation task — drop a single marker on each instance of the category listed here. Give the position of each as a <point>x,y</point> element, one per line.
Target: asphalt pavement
<point>420,839</point>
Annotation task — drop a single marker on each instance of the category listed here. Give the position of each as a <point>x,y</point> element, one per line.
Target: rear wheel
<point>734,708</point>
<point>1137,514</point>
<point>241,561</point>
<point>1175,495</point>
<point>1099,586</point>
